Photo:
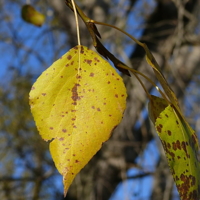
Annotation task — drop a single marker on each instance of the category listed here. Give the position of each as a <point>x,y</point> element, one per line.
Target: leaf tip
<point>65,192</point>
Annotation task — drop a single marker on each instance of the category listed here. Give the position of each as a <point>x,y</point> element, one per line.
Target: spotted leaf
<point>180,145</point>
<point>76,103</point>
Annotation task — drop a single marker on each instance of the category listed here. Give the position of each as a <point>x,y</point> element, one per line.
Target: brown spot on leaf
<point>98,109</point>
<point>177,178</point>
<point>116,95</point>
<point>168,145</point>
<point>92,74</point>
<point>61,139</point>
<point>172,155</point>
<point>69,57</point>
<point>183,145</point>
<point>88,61</point>
<point>82,50</point>
<point>51,128</point>
<point>169,132</point>
<point>159,128</point>
<point>78,77</point>
<point>178,144</point>
<point>75,96</point>
<point>64,130</point>
<point>43,94</point>
<point>185,186</point>
<point>96,59</point>
<point>174,146</point>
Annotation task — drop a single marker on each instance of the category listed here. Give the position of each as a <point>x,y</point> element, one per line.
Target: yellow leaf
<point>32,16</point>
<point>77,102</point>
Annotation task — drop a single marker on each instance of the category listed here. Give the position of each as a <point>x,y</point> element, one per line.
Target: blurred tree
<point>171,30</point>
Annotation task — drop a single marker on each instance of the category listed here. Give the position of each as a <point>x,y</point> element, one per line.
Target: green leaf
<point>32,16</point>
<point>76,103</point>
<point>181,148</point>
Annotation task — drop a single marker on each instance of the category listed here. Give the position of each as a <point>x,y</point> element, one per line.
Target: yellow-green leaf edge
<point>181,147</point>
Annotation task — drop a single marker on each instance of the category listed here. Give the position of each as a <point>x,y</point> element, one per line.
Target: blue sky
<point>47,48</point>
<point>139,188</point>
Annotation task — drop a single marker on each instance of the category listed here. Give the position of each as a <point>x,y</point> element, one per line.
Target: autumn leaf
<point>180,145</point>
<point>32,16</point>
<point>76,104</point>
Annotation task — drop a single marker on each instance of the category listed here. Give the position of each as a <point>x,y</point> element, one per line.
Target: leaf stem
<point>77,23</point>
<point>112,26</point>
<point>135,72</point>
<point>148,55</point>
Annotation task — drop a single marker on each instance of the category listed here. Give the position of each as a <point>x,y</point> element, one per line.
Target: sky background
<point>38,49</point>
